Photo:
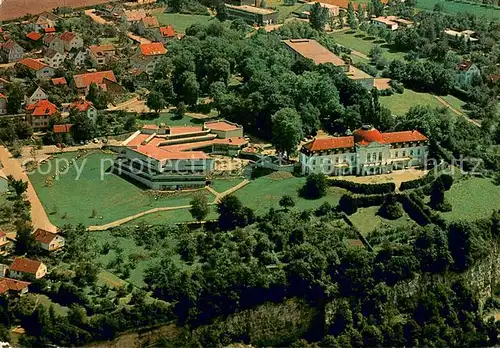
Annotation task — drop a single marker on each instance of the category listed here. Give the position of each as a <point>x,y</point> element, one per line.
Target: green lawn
<point>72,199</point>
<point>47,302</point>
<point>221,185</point>
<point>265,192</point>
<point>401,103</point>
<point>361,42</point>
<point>454,7</point>
<point>473,198</point>
<point>455,102</point>
<point>367,220</point>
<point>181,21</point>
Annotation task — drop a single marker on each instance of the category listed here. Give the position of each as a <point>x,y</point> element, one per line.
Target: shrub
<point>323,209</point>
<point>315,186</point>
<point>367,189</point>
<point>350,203</point>
<point>391,209</point>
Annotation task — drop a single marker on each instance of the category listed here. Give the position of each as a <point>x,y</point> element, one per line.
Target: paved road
<point>38,215</point>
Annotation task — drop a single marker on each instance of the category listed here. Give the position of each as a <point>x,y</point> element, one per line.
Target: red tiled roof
<point>150,22</point>
<point>33,64</point>
<point>42,108</point>
<point>167,31</point>
<point>44,236</point>
<point>59,81</point>
<point>81,105</point>
<point>100,49</point>
<point>364,136</point>
<point>67,36</point>
<point>34,35</point>
<point>22,264</point>
<point>62,128</point>
<point>2,234</point>
<point>162,155</point>
<point>47,39</point>
<point>85,80</point>
<point>153,49</point>
<point>322,144</point>
<point>234,141</point>
<point>184,129</point>
<point>403,137</point>
<point>50,30</point>
<point>8,284</point>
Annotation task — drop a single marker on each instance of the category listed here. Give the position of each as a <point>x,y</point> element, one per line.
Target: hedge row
<point>414,210</point>
<point>428,180</point>
<point>366,189</point>
<point>350,203</point>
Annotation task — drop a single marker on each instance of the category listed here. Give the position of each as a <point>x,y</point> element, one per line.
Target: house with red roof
<point>71,40</point>
<point>105,80</point>
<point>167,32</point>
<point>3,104</point>
<point>46,20</point>
<point>62,128</point>
<point>48,241</point>
<point>147,56</point>
<point>10,51</point>
<point>40,113</point>
<point>367,152</point>
<point>148,23</point>
<point>101,54</point>
<point>24,268</point>
<point>38,68</point>
<point>59,81</point>
<point>34,36</point>
<point>5,243</point>
<point>86,107</point>
<point>54,42</point>
<point>13,287</point>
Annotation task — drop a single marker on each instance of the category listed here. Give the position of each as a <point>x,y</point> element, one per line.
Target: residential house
<point>5,244</point>
<point>49,30</point>
<point>167,32</point>
<point>36,96</point>
<point>467,35</point>
<point>10,51</point>
<point>54,42</point>
<point>148,23</point>
<point>34,36</point>
<point>106,80</point>
<point>53,58</point>
<point>86,107</point>
<point>48,241</point>
<point>78,58</point>
<point>3,104</point>
<point>10,286</point>
<point>59,81</point>
<point>62,128</point>
<point>23,268</point>
<point>101,55</point>
<point>467,71</point>
<point>40,113</point>
<point>46,20</point>
<point>41,70</point>
<point>71,40</point>
<point>392,22</point>
<point>148,56</point>
<point>252,15</point>
<point>133,16</point>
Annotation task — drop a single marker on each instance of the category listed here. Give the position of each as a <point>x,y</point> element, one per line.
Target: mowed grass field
<point>181,21</point>
<point>171,217</point>
<point>221,185</point>
<point>73,197</point>
<point>453,7</point>
<point>399,104</point>
<point>473,198</point>
<point>367,220</point>
<point>455,102</point>
<point>265,192</point>
<point>361,42</point>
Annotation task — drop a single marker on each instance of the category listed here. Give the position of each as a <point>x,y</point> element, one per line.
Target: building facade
<point>252,15</point>
<point>366,152</point>
<point>23,268</point>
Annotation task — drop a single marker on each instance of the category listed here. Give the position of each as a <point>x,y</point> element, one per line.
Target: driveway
<point>38,215</point>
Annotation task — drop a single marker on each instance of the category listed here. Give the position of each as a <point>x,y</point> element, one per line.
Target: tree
<point>219,70</point>
<point>83,127</point>
<point>15,99</point>
<point>319,16</point>
<point>25,242</point>
<point>199,207</point>
<point>190,88</point>
<point>315,186</point>
<point>156,101</point>
<point>361,13</point>
<point>286,131</point>
<point>221,12</point>
<point>19,186</point>
<point>351,16</point>
<point>233,214</point>
<point>98,97</point>
<point>287,202</point>
<point>377,8</point>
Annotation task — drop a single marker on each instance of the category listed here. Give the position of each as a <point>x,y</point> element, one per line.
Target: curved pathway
<point>218,197</point>
<point>12,166</point>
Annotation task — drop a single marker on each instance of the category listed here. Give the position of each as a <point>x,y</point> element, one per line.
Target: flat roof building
<point>252,15</point>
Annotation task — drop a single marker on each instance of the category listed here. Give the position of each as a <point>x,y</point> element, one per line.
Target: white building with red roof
<point>366,152</point>
<point>173,157</point>
<point>147,56</point>
<point>10,51</point>
<point>23,268</point>
<point>40,113</point>
<point>86,107</point>
<point>40,69</point>
<point>71,40</point>
<point>48,240</point>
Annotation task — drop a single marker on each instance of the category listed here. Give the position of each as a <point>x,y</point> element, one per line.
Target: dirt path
<point>38,215</point>
<point>458,112</point>
<point>218,197</point>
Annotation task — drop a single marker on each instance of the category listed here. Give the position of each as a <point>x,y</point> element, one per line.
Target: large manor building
<point>366,152</point>
<point>174,157</point>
